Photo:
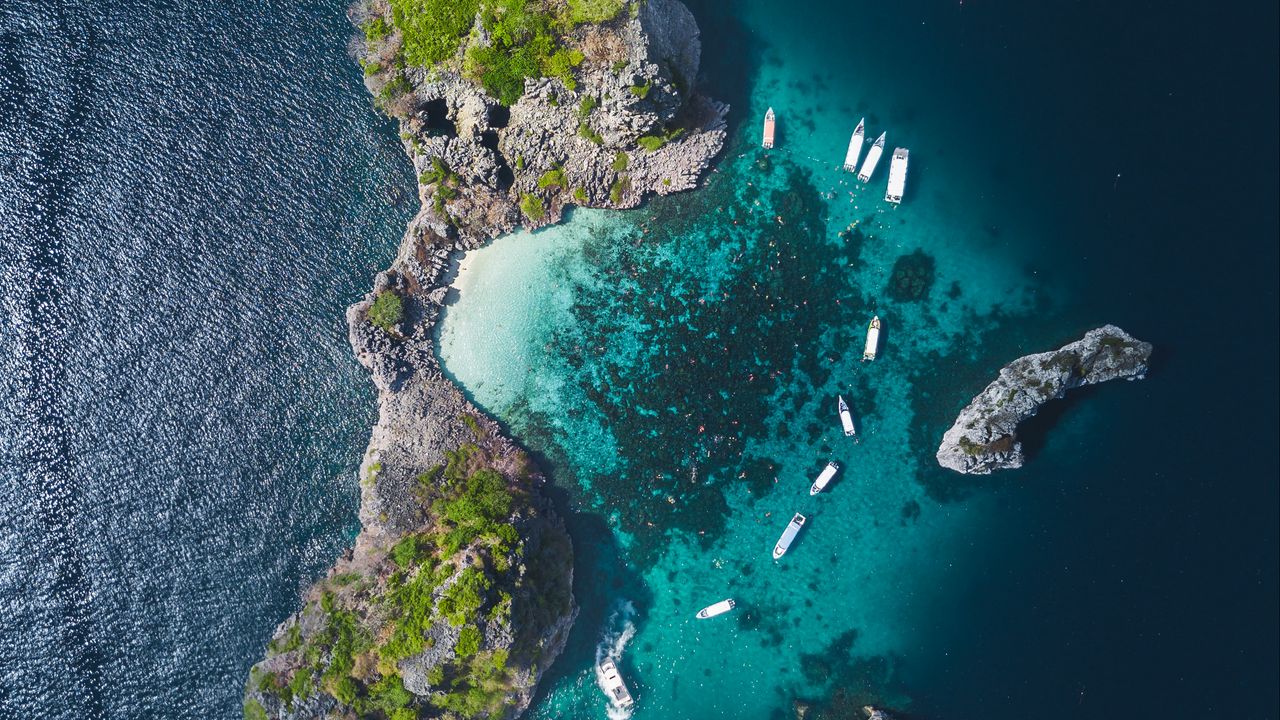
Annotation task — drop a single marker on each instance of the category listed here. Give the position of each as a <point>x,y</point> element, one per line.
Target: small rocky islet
<point>984,437</point>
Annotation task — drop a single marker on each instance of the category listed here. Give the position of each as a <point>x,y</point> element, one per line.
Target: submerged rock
<point>984,436</point>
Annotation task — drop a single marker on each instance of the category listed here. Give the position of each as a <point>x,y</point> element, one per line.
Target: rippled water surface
<point>191,195</point>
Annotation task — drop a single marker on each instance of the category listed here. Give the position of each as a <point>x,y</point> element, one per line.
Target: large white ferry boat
<point>855,147</point>
<point>873,339</point>
<point>613,685</point>
<point>824,477</point>
<point>846,417</point>
<point>768,128</point>
<point>788,536</point>
<point>873,157</point>
<point>897,176</point>
<point>715,609</point>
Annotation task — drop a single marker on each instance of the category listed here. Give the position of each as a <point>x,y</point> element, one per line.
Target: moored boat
<point>873,158</point>
<point>788,536</point>
<point>768,128</point>
<point>897,176</point>
<point>613,685</point>
<point>855,147</point>
<point>824,477</point>
<point>846,417</point>
<point>715,609</point>
<point>873,339</point>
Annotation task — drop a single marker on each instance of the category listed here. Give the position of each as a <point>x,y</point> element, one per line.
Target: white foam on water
<point>619,630</point>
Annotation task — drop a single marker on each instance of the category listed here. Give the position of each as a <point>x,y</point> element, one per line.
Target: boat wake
<point>618,631</point>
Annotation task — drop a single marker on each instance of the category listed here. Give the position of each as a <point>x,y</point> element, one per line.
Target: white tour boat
<point>897,176</point>
<point>846,417</point>
<point>824,477</point>
<point>613,685</point>
<point>788,536</point>
<point>873,339</point>
<point>873,157</point>
<point>768,129</point>
<point>713,610</point>
<point>855,148</point>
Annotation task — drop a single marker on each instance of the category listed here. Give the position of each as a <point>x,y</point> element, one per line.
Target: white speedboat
<point>613,685</point>
<point>788,536</point>
<point>873,339</point>
<point>855,148</point>
<point>846,417</point>
<point>824,477</point>
<point>873,157</point>
<point>768,129</point>
<point>897,176</point>
<point>719,608</point>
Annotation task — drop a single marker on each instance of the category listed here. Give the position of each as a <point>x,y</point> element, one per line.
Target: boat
<point>768,129</point>
<point>873,339</point>
<point>846,417</point>
<point>824,477</point>
<point>897,176</point>
<point>855,147</point>
<point>788,536</point>
<point>715,609</point>
<point>873,157</point>
<point>613,685</point>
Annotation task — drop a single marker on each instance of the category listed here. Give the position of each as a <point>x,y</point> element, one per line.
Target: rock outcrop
<point>633,123</point>
<point>456,597</point>
<point>984,436</point>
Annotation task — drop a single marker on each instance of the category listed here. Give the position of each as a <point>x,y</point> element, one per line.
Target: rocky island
<point>984,436</point>
<point>457,594</point>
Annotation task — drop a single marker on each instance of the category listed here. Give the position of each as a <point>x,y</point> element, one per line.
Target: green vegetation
<point>620,161</point>
<point>528,38</point>
<point>618,188</point>
<point>580,195</point>
<point>473,425</point>
<point>585,107</point>
<point>468,641</point>
<point>253,710</point>
<point>409,551</point>
<point>642,91</point>
<point>476,511</point>
<point>553,178</point>
<point>593,11</point>
<point>432,29</point>
<point>652,142</point>
<point>523,44</point>
<point>376,30</point>
<point>585,131</point>
<point>531,206</point>
<point>619,66</point>
<point>291,641</point>
<point>356,662</point>
<point>519,162</point>
<point>387,311</point>
<point>398,85</point>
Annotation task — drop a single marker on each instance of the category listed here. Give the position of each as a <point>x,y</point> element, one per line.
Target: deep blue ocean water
<point>192,193</point>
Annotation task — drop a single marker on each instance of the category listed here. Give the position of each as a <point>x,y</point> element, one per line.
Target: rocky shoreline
<point>984,436</point>
<point>456,597</point>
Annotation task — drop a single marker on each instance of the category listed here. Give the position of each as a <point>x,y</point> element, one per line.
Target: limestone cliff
<point>984,436</point>
<point>457,595</point>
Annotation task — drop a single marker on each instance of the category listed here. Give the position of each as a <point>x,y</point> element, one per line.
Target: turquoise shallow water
<point>679,364</point>
<point>676,367</point>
